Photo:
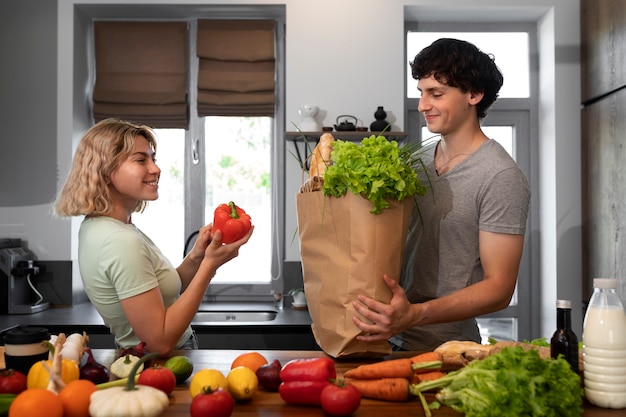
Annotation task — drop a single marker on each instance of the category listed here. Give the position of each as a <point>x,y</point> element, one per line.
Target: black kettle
<point>346,126</point>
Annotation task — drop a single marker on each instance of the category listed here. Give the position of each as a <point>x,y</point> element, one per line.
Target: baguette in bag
<point>320,160</point>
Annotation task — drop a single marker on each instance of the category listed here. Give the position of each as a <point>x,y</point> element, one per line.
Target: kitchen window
<point>218,159</point>
<point>512,122</point>
<point>236,158</point>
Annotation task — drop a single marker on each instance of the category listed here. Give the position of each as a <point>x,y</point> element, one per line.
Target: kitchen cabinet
<point>29,169</point>
<point>295,337</point>
<point>603,47</point>
<point>603,122</point>
<point>604,185</point>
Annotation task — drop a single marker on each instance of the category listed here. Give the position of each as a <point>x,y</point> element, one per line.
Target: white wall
<point>347,57</point>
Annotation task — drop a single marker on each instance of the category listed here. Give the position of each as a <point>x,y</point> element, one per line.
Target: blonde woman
<point>139,294</point>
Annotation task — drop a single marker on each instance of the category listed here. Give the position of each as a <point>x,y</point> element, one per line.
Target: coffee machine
<point>18,271</point>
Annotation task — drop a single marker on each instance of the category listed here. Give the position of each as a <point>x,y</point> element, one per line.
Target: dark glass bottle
<point>564,341</point>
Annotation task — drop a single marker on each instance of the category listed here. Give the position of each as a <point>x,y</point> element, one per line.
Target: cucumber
<point>5,403</point>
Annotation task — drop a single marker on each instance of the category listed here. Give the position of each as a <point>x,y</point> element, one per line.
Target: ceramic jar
<point>308,122</point>
<point>23,347</point>
<point>380,123</point>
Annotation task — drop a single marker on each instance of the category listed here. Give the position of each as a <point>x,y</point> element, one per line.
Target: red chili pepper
<point>232,220</point>
<point>313,369</point>
<point>302,392</point>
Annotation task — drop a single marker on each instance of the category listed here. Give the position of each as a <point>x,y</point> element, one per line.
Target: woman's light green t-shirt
<point>118,261</point>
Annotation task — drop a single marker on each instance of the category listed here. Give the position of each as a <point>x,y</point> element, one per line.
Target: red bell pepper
<point>304,380</point>
<point>302,392</point>
<point>312,369</point>
<point>232,220</point>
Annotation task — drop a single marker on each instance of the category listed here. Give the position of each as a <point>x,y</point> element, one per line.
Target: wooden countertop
<point>270,404</point>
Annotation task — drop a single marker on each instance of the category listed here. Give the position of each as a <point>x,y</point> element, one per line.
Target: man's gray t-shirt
<point>487,191</point>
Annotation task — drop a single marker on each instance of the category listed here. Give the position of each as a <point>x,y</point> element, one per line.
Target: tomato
<point>158,377</point>
<point>218,403</point>
<point>12,381</point>
<point>340,399</point>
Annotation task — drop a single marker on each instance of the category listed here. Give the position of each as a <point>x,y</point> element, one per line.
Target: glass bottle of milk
<point>604,346</point>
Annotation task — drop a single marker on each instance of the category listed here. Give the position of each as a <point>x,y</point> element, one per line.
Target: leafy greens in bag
<point>377,169</point>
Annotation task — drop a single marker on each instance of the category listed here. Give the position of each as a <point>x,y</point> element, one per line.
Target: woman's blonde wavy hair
<point>101,150</point>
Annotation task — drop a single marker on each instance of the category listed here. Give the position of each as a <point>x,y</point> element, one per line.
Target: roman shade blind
<point>236,74</point>
<point>141,72</point>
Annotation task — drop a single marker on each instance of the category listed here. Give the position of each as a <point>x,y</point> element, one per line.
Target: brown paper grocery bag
<point>345,251</point>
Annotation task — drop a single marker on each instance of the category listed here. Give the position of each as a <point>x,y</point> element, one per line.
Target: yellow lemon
<point>242,383</point>
<point>207,378</point>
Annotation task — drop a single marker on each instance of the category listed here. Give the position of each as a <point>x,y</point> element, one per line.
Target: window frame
<point>195,183</point>
<point>521,113</point>
<point>193,136</point>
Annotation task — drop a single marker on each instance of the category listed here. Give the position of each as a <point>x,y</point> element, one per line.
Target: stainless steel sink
<point>234,316</point>
<point>235,312</point>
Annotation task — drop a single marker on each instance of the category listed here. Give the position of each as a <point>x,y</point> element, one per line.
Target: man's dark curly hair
<point>462,65</point>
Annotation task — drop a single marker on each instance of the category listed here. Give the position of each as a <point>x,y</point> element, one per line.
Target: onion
<point>94,371</point>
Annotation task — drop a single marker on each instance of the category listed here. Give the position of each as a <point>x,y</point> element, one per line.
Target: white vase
<point>308,122</point>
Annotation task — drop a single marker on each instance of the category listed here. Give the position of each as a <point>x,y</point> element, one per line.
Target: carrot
<point>426,362</point>
<point>392,368</point>
<point>427,357</point>
<point>427,376</point>
<point>385,389</point>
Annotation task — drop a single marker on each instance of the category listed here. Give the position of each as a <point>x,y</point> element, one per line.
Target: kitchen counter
<point>290,329</point>
<point>270,404</point>
<point>85,314</point>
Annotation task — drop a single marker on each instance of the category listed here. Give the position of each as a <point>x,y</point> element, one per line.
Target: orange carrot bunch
<point>389,380</point>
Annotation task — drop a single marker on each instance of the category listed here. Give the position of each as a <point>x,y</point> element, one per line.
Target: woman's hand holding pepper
<point>202,241</point>
<point>208,253</point>
<point>217,254</point>
<point>190,265</point>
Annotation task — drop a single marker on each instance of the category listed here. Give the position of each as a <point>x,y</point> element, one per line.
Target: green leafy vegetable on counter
<point>542,341</point>
<point>512,382</point>
<point>377,168</point>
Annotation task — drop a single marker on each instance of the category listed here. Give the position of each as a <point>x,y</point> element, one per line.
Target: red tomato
<point>12,381</point>
<point>158,377</point>
<point>217,403</point>
<point>340,399</point>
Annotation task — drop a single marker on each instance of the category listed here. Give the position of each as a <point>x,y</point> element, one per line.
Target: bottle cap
<point>606,283</point>
<point>563,304</point>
